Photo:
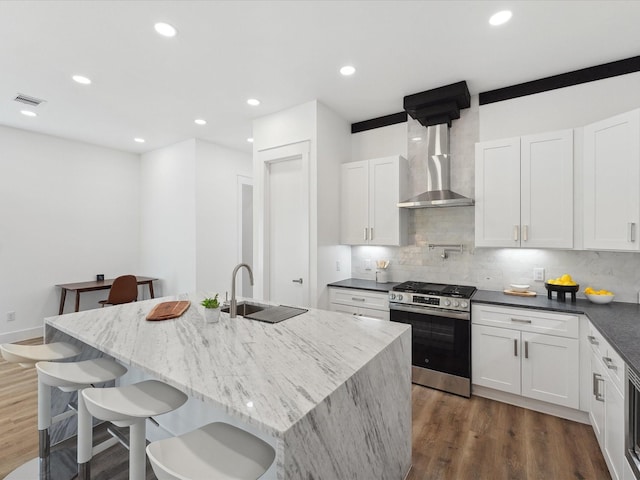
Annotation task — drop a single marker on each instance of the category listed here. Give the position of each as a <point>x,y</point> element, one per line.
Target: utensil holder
<point>382,276</point>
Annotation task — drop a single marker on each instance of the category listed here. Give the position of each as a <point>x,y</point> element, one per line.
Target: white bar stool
<point>27,356</point>
<point>130,406</point>
<point>70,377</point>
<point>216,451</point>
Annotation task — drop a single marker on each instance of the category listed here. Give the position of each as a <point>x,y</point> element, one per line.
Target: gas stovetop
<point>434,295</point>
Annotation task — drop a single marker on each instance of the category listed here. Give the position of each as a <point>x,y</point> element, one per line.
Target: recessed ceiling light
<point>28,113</point>
<point>82,80</point>
<point>139,140</point>
<point>200,121</point>
<point>254,102</point>
<point>347,70</point>
<point>416,139</point>
<point>250,140</point>
<point>501,17</point>
<point>165,29</point>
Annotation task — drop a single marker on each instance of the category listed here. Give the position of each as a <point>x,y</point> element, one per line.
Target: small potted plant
<point>211,309</point>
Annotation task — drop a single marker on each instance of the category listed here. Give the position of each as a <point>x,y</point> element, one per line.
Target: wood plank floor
<point>454,438</point>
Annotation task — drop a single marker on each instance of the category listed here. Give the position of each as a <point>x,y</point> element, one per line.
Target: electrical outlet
<point>337,265</point>
<point>367,264</point>
<point>538,274</point>
<point>11,316</point>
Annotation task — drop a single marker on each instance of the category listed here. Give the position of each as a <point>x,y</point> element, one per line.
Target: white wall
<point>168,217</point>
<point>68,211</point>
<point>568,107</point>
<point>379,142</point>
<point>217,215</point>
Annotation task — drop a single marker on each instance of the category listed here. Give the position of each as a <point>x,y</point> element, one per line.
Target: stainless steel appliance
<point>440,317</point>
<point>632,421</point>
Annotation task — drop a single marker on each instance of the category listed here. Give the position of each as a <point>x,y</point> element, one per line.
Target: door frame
<point>262,223</point>
<point>241,180</point>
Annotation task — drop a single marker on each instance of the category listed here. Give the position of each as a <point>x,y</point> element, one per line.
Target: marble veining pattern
<point>282,371</point>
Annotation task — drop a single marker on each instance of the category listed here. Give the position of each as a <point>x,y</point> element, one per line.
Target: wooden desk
<point>95,285</point>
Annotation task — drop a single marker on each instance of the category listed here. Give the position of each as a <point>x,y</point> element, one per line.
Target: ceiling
<point>284,53</point>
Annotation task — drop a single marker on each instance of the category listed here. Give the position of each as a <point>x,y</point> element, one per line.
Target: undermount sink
<point>246,308</point>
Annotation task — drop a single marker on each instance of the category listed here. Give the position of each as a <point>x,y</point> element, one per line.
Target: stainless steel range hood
<point>438,192</point>
<point>436,109</point>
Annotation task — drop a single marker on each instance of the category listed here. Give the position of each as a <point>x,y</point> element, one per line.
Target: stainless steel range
<point>440,316</point>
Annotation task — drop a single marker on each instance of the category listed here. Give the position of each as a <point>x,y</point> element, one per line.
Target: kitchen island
<point>333,392</point>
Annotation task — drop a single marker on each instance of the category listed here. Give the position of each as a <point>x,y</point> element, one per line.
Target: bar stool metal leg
<point>44,422</point>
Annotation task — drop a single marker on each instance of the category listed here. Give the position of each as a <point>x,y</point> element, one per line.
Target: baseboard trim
<point>20,335</point>
<point>531,404</point>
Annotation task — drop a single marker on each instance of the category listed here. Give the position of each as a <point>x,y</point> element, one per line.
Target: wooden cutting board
<point>168,310</point>
<point>520,294</point>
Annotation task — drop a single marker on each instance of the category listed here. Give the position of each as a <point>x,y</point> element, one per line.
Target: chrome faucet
<point>233,306</point>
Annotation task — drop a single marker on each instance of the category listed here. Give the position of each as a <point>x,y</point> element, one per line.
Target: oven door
<point>440,339</point>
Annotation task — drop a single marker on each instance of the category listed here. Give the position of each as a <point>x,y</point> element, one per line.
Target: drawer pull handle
<point>609,363</point>
<point>515,347</point>
<point>631,228</point>
<point>526,349</point>
<point>520,320</point>
<point>592,340</point>
<point>358,299</point>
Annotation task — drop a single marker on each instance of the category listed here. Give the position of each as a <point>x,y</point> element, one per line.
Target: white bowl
<point>600,298</point>
<point>519,288</point>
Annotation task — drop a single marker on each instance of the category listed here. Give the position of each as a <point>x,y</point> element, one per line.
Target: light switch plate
<point>538,274</point>
<point>367,264</point>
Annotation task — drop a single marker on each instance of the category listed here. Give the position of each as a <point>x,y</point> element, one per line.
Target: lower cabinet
<point>606,410</point>
<point>536,366</point>
<point>361,303</point>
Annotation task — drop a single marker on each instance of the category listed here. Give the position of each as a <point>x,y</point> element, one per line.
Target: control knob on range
<point>447,303</point>
<point>464,304</point>
<point>456,303</point>
<point>399,296</point>
<point>392,296</point>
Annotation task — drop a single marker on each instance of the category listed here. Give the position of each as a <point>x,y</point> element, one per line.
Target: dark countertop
<point>618,322</point>
<point>360,284</point>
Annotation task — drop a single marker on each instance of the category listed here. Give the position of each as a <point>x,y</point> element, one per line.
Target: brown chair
<point>123,290</point>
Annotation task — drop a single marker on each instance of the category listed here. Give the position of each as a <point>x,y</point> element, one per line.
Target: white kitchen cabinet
<point>606,410</point>
<point>371,190</point>
<point>512,351</point>
<point>611,183</point>
<point>524,191</point>
<point>361,303</point>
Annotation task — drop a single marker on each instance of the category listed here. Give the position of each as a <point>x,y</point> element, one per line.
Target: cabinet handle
<point>366,231</point>
<point>371,233</point>
<point>631,231</point>
<point>525,232</point>
<point>520,320</point>
<point>299,280</point>
<point>358,299</point>
<point>515,347</point>
<point>516,230</point>
<point>526,349</point>
<point>592,340</point>
<point>609,363</point>
<point>596,390</point>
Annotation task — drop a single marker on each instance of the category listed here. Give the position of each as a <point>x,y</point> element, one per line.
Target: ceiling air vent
<point>33,101</point>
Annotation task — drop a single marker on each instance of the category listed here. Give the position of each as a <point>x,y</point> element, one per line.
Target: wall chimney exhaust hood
<point>435,109</point>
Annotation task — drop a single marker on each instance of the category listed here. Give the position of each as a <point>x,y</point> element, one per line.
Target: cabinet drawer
<point>614,365</point>
<point>359,298</point>
<point>526,320</point>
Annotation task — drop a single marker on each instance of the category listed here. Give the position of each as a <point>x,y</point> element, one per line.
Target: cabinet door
<point>612,183</point>
<point>614,429</point>
<point>354,202</point>
<point>596,407</point>
<point>546,192</point>
<point>498,193</point>
<point>384,214</point>
<point>495,358</point>
<point>550,369</point>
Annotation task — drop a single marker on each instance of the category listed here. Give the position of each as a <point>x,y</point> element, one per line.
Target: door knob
<point>299,280</point>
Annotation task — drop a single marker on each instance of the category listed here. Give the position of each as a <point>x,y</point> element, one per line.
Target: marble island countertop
<point>331,391</point>
<point>618,322</point>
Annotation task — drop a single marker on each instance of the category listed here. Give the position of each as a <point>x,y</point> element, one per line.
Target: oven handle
<point>429,311</point>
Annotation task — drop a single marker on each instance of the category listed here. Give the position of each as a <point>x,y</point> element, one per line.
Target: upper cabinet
<point>371,190</point>
<point>612,183</point>
<point>524,191</point>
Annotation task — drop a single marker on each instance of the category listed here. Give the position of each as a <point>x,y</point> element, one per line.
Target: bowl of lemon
<point>599,296</point>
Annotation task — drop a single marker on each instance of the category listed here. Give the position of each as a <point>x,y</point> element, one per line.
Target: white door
<point>354,217</point>
<point>498,193</point>
<point>495,358</point>
<point>550,369</point>
<point>546,202</point>
<point>288,231</point>
<point>612,183</point>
